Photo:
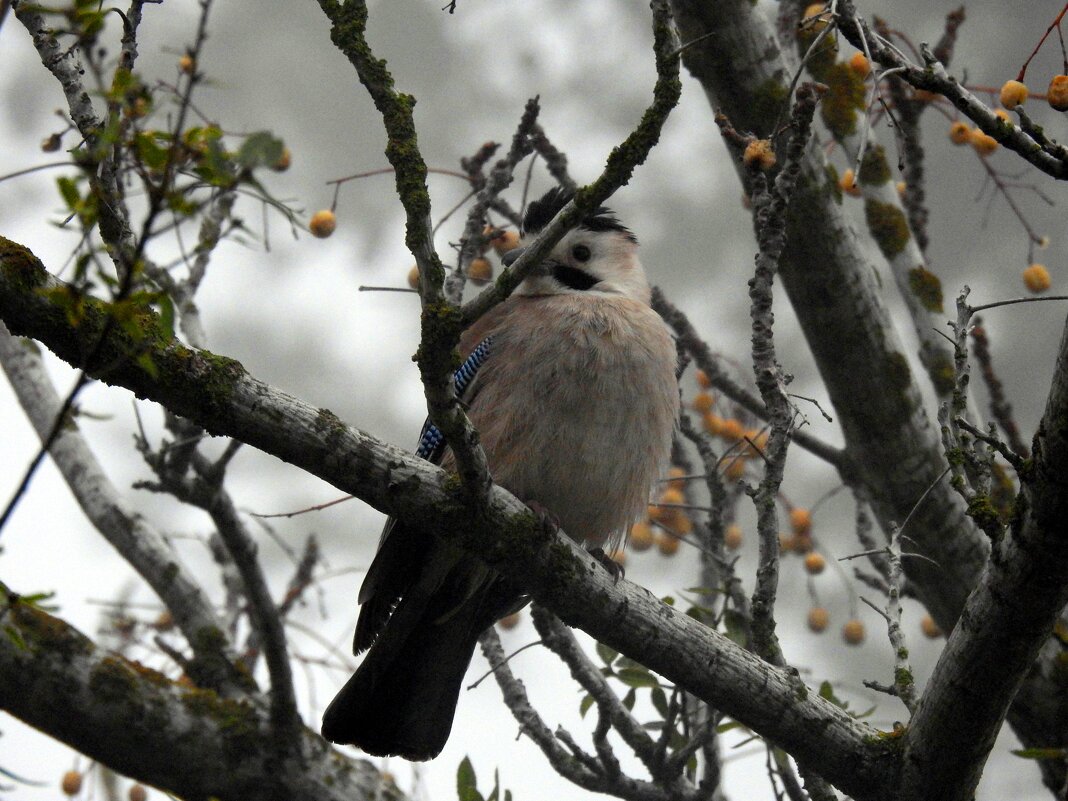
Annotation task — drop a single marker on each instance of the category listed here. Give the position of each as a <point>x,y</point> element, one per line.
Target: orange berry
<point>853,632</point>
<point>413,277</point>
<point>641,537</point>
<point>803,543</point>
<point>759,154</point>
<point>787,542</point>
<point>323,223</point>
<point>930,628</point>
<point>137,792</point>
<point>1002,114</point>
<point>818,619</point>
<point>480,271</point>
<point>508,240</point>
<point>703,402</point>
<point>732,429</point>
<point>671,496</point>
<point>732,537</point>
<point>757,442</point>
<point>682,524</point>
<point>860,65</point>
<point>703,381</point>
<point>283,163</point>
<point>1057,94</point>
<point>1036,278</point>
<point>509,621</point>
<point>735,469</point>
<point>677,480</point>
<point>900,186</point>
<point>667,544</point>
<point>959,133</point>
<point>187,64</point>
<point>815,563</point>
<point>72,782</point>
<point>800,520</point>
<point>665,515</point>
<point>924,96</point>
<point>848,183</point>
<point>713,424</point>
<point>983,143</point>
<point>1013,93</point>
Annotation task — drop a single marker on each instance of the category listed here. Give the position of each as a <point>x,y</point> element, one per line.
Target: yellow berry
<point>813,19</point>
<point>759,154</point>
<point>815,563</point>
<point>853,632</point>
<point>480,271</point>
<point>818,619</point>
<point>860,65</point>
<point>732,537</point>
<point>323,223</point>
<point>959,133</point>
<point>1002,114</point>
<point>137,792</point>
<point>1057,94</point>
<point>280,166</point>
<point>703,381</point>
<point>187,64</point>
<point>849,184</point>
<point>413,277</point>
<point>1013,93</point>
<point>509,621</point>
<point>930,628</point>
<point>703,402</point>
<point>983,143</point>
<point>641,537</point>
<point>1036,278</point>
<point>800,520</point>
<point>667,544</point>
<point>72,782</point>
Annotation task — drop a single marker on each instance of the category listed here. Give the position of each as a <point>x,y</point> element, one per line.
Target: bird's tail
<point>402,698</point>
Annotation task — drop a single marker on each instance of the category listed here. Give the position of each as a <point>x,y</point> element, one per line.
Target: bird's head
<point>597,256</point>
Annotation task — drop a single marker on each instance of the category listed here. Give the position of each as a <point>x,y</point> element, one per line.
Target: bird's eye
<point>581,253</point>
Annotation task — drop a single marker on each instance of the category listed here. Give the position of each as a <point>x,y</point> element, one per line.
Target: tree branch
<point>217,394</point>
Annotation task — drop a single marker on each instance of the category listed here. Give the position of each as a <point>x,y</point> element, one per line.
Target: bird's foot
<point>549,522</point>
<point>608,563</point>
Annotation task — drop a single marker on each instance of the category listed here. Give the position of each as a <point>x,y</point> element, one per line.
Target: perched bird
<point>571,385</point>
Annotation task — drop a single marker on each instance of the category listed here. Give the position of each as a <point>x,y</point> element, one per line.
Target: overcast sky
<point>294,316</point>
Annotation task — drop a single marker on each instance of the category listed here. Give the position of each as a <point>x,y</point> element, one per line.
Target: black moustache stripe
<point>574,278</point>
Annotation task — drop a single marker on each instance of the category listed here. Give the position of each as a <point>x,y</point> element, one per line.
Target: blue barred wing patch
<point>431,440</point>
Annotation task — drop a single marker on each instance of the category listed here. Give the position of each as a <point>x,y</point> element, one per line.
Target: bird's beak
<point>509,258</point>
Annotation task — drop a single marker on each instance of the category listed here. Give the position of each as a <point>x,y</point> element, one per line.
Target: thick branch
<point>218,394</point>
<point>1006,621</point>
<point>190,742</point>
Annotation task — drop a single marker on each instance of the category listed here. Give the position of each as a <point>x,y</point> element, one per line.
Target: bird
<point>571,383</point>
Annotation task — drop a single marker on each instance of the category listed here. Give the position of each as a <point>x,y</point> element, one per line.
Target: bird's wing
<point>396,566</point>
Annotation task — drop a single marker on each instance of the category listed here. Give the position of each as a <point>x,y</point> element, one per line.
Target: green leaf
<point>15,636</point>
<point>466,782</point>
<point>149,366</point>
<point>1041,753</point>
<point>637,677</point>
<point>260,149</point>
<point>584,707</point>
<point>730,725</point>
<point>608,656</point>
<point>659,699</point>
<point>734,626</point>
<point>151,153</point>
<point>68,189</point>
<point>166,313</point>
<point>628,699</point>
